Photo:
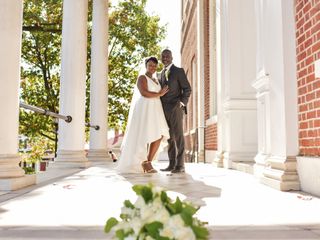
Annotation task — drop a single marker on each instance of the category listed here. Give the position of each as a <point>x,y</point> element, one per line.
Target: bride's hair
<point>152,59</point>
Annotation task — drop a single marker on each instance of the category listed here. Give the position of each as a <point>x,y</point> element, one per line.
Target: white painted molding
<point>212,120</point>
<point>240,104</point>
<point>262,82</point>
<point>317,68</point>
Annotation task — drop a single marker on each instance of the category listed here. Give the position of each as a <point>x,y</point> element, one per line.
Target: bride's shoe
<point>147,167</point>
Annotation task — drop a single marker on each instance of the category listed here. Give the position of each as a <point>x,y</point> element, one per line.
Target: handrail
<point>68,118</point>
<point>96,127</point>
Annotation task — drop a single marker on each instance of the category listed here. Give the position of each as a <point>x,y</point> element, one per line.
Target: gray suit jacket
<point>179,88</point>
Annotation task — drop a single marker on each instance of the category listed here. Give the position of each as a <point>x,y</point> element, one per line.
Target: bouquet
<point>155,216</point>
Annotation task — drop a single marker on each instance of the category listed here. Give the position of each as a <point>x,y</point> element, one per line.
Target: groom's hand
<point>183,107</point>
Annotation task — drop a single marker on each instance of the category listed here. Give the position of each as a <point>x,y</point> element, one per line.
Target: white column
<point>238,72</point>
<point>262,86</point>
<point>11,175</point>
<point>99,80</point>
<point>200,78</point>
<point>71,138</point>
<point>280,67</point>
<point>220,35</point>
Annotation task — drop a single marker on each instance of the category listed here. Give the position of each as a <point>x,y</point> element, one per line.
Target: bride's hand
<point>163,91</point>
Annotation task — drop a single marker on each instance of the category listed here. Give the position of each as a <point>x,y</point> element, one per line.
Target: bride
<point>146,126</point>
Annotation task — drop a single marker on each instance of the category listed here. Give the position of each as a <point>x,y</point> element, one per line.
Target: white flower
<point>161,215</point>
<point>173,226</point>
<point>146,212</point>
<point>176,221</point>
<point>157,190</point>
<point>166,232</point>
<point>131,237</point>
<point>128,211</point>
<point>136,224</point>
<point>149,238</point>
<point>140,203</point>
<point>185,233</point>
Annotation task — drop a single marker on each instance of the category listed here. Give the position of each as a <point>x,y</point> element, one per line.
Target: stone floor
<point>74,204</point>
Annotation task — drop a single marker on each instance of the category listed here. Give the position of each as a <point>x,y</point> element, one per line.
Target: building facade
<point>254,68</point>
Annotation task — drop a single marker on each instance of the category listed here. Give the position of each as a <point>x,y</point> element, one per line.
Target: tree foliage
<point>41,44</point>
<point>133,35</point>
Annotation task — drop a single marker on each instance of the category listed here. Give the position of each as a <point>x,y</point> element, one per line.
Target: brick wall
<point>308,51</point>
<point>188,54</point>
<point>206,61</point>
<point>211,137</point>
<point>210,132</point>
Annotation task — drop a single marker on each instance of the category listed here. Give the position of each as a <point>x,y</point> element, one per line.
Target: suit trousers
<point>176,147</point>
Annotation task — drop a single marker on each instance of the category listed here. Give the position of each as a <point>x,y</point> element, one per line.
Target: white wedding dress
<point>146,124</point>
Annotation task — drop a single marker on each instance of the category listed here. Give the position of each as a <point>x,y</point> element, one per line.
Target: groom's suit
<point>179,92</point>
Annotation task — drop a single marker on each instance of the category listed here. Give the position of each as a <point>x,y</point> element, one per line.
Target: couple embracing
<point>156,115</point>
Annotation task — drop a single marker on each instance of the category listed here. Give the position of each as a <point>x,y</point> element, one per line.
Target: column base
<point>242,161</point>
<point>9,166</point>
<point>260,164</point>
<point>218,160</point>
<point>201,156</point>
<point>281,173</point>
<point>71,159</point>
<point>98,155</point>
<point>11,184</point>
<point>210,155</point>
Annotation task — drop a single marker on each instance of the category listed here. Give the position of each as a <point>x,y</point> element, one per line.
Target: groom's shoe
<point>167,169</point>
<point>178,170</point>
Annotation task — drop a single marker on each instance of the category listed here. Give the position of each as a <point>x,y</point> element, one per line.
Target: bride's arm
<point>143,88</point>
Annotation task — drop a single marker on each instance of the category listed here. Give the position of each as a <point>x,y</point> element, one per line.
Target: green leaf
<point>164,197</point>
<point>124,216</point>
<point>138,189</point>
<point>120,234</point>
<point>187,213</point>
<point>200,232</point>
<point>110,224</point>
<point>163,238</point>
<point>178,205</point>
<point>144,191</point>
<point>186,217</point>
<point>171,208</point>
<point>190,209</point>
<point>153,229</point>
<point>128,204</point>
<point>147,194</point>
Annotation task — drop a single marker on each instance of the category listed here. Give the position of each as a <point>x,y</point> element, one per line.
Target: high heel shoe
<point>147,167</point>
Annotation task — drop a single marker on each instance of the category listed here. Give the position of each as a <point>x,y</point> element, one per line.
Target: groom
<point>174,105</point>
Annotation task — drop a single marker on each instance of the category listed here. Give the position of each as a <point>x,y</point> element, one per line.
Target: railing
<point>56,116</point>
<point>96,127</point>
<point>46,112</point>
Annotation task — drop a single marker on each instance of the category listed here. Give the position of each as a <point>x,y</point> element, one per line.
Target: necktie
<point>163,76</point>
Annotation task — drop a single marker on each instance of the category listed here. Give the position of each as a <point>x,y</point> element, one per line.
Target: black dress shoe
<point>167,169</point>
<point>178,170</point>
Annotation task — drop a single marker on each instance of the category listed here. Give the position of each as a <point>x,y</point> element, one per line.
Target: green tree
<point>41,43</point>
<point>133,35</point>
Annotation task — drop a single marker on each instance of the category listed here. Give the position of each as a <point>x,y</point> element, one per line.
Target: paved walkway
<point>234,204</point>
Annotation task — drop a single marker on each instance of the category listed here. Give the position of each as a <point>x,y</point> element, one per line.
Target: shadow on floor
<point>185,184</point>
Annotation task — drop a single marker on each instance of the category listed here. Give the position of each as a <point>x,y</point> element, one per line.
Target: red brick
<point>303,125</point>
<point>309,60</point>
<point>316,47</point>
<point>311,96</point>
